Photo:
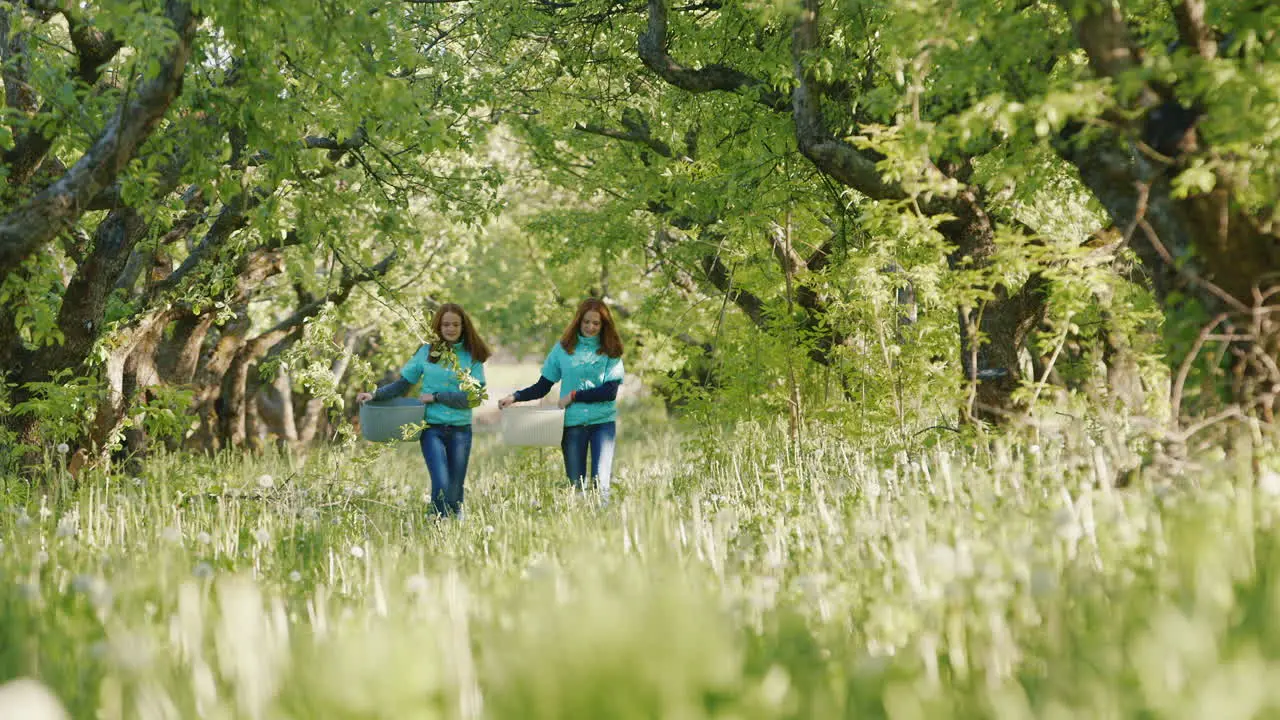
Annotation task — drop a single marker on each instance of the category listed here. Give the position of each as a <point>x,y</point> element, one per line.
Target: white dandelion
<point>1269,483</point>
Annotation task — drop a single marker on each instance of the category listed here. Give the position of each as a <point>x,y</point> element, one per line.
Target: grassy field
<point>726,580</point>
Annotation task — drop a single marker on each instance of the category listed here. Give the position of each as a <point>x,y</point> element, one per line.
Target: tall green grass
<point>729,577</point>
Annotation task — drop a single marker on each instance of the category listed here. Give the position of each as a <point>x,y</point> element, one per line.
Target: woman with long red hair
<point>587,362</point>
<point>451,369</point>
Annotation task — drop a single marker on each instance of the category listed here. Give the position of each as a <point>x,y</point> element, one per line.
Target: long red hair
<point>610,343</point>
<point>471,339</point>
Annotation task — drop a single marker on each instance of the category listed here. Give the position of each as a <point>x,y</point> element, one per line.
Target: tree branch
<point>653,52</point>
<point>722,279</point>
<point>39,219</point>
<point>94,49</point>
<point>846,163</point>
<point>15,63</point>
<point>637,131</point>
<point>1189,14</point>
<point>1101,31</point>
<point>336,148</point>
<point>234,392</point>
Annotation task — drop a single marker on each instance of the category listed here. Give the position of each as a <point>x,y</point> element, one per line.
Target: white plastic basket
<point>538,426</point>
<point>381,420</point>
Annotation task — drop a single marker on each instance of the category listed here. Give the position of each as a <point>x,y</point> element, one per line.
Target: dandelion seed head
<point>29,698</point>
<point>1043,582</point>
<point>416,584</point>
<point>95,588</point>
<point>942,560</point>
<point>132,651</point>
<point>29,591</point>
<point>1066,526</point>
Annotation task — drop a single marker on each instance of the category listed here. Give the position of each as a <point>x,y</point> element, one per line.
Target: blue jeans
<point>575,443</point>
<point>446,448</point>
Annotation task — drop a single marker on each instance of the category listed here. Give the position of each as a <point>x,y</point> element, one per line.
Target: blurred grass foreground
<point>731,577</point>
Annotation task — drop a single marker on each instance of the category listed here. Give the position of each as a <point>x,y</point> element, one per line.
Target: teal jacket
<point>451,406</point>
<point>585,369</point>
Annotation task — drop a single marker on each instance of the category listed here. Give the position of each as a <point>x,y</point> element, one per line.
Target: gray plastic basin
<point>381,420</point>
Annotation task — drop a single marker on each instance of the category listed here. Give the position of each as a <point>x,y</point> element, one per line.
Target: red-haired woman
<point>587,362</point>
<point>446,443</point>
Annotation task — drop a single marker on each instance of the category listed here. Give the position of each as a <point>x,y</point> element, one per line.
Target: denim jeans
<point>446,448</point>
<point>600,440</point>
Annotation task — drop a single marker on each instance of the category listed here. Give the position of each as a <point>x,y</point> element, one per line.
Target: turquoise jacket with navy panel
<point>594,378</point>
<point>451,406</point>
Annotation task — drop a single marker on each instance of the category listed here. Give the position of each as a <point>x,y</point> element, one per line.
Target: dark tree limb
<point>722,279</point>
<point>236,382</point>
<point>38,220</point>
<point>654,54</point>
<point>15,64</point>
<point>1189,14</point>
<point>846,163</point>
<point>637,132</point>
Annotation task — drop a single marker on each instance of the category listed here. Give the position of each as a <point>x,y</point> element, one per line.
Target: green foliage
<point>33,296</point>
<point>63,405</point>
<point>165,415</point>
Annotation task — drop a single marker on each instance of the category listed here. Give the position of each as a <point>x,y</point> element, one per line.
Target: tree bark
<point>1205,251</point>
<point>94,49</point>
<point>234,386</point>
<point>36,221</point>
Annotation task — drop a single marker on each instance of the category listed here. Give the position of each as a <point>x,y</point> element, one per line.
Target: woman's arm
<point>456,399</point>
<point>549,375</point>
<point>392,389</point>
<point>604,393</point>
<point>535,391</point>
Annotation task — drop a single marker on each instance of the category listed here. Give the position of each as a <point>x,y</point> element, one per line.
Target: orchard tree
<point>184,193</point>
<point>737,117</point>
<point>1175,136</point>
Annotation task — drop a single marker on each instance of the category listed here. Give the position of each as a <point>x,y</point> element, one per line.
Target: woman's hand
<point>566,401</point>
<point>506,402</point>
<point>363,397</point>
<point>426,398</point>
